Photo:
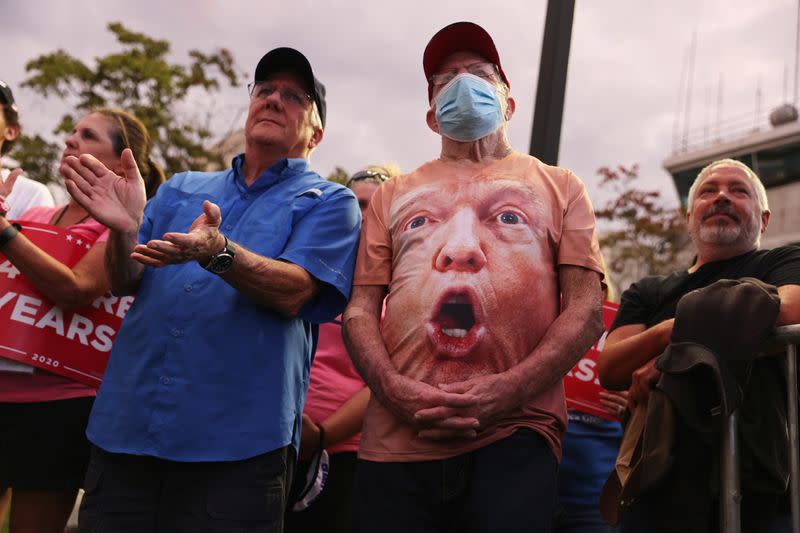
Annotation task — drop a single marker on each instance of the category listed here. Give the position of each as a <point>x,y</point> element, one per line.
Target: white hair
<point>761,193</point>
<point>315,120</point>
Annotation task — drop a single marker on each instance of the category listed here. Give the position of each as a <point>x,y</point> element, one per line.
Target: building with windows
<point>773,153</point>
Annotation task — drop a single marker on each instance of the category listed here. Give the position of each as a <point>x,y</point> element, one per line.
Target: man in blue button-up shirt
<point>197,423</point>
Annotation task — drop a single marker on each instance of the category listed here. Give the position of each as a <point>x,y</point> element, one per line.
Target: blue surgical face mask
<point>467,108</point>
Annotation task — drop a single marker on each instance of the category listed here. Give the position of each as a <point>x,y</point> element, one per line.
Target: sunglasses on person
<point>367,175</point>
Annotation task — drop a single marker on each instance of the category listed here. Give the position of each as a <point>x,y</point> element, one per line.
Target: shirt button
<point>176,332</point>
<point>188,287</point>
<point>228,227</point>
<point>165,380</point>
<point>245,196</point>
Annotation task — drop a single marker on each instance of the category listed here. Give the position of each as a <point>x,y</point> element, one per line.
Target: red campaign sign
<point>581,384</point>
<point>74,344</point>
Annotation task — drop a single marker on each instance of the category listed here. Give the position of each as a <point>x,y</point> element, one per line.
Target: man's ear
<point>764,220</point>
<point>11,133</point>
<point>511,105</point>
<point>430,118</point>
<point>316,138</point>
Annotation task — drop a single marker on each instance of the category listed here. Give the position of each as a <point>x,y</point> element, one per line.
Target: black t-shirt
<point>654,299</point>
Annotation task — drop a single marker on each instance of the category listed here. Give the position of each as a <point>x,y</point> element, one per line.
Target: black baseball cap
<point>7,96</point>
<point>290,60</point>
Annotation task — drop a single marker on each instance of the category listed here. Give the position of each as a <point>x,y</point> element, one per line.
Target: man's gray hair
<point>315,119</point>
<point>761,193</point>
<point>504,91</point>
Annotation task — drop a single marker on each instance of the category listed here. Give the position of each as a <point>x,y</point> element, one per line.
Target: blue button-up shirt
<point>201,372</point>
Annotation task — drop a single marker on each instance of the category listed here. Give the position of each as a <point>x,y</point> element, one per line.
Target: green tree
<point>38,157</point>
<point>644,237</point>
<point>141,79</point>
<point>339,175</point>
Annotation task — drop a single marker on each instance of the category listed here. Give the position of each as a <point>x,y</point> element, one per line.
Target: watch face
<point>221,263</point>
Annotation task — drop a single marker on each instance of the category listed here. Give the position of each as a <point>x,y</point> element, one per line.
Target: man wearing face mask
<point>494,277</point>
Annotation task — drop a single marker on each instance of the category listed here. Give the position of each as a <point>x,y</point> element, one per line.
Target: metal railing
<point>729,129</point>
<point>731,495</point>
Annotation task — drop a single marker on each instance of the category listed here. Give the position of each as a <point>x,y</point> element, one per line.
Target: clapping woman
<point>43,416</point>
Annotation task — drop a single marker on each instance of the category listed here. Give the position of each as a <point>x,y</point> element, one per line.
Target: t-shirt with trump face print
<point>470,254</point>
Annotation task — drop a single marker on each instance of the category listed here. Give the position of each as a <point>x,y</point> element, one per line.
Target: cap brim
<point>316,478</point>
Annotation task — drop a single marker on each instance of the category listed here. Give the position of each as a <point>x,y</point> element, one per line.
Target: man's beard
<point>720,234</point>
<point>730,232</point>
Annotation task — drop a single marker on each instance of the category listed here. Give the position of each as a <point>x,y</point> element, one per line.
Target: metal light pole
<point>549,108</point>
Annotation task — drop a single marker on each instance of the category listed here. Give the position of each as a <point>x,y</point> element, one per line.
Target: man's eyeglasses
<point>261,91</point>
<point>482,70</point>
<point>367,175</point>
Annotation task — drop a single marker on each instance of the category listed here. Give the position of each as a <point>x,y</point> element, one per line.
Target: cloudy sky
<point>626,64</point>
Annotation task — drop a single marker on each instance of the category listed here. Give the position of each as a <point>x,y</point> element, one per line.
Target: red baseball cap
<point>459,37</point>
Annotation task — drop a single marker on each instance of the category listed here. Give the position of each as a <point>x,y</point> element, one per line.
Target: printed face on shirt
<point>474,270</point>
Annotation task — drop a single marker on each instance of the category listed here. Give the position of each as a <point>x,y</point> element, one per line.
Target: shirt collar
<point>283,169</point>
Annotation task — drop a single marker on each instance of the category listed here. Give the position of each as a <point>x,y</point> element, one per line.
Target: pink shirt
<point>43,386</point>
<point>333,381</point>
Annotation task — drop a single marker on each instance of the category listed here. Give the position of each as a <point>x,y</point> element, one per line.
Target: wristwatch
<point>9,233</point>
<point>223,261</point>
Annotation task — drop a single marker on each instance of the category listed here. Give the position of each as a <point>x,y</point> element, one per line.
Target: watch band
<point>211,259</point>
<point>222,261</point>
<point>9,233</point>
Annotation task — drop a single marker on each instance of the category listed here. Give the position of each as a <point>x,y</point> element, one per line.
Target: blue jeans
<point>507,486</point>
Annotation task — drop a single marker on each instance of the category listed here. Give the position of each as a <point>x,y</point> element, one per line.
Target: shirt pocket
<point>270,234</point>
<point>177,211</point>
